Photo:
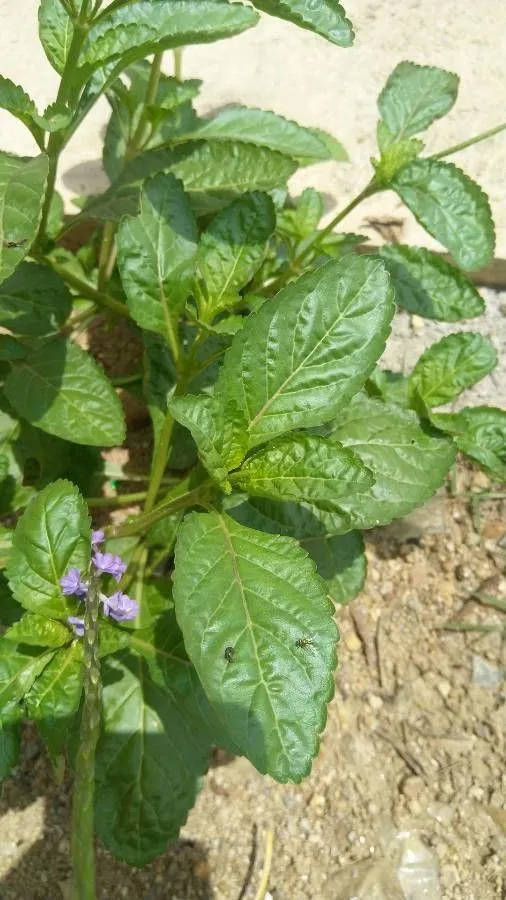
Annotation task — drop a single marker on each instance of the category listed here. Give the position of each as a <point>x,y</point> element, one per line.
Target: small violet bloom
<point>97,537</point>
<point>109,564</point>
<point>120,606</point>
<point>77,625</point>
<point>71,584</point>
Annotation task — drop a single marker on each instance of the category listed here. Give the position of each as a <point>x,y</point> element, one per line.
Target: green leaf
<point>5,555</point>
<point>394,157</point>
<point>217,429</point>
<point>148,762</point>
<point>22,187</point>
<point>34,300</point>
<point>326,17</point>
<point>243,601</point>
<point>18,671</point>
<point>341,561</point>
<point>267,129</point>
<point>408,461</point>
<point>414,97</point>
<point>135,31</point>
<point>10,348</point>
<point>299,520</point>
<point>301,221</point>
<point>16,101</point>
<point>480,433</point>
<point>53,700</point>
<point>430,287</point>
<point>214,172</point>
<point>38,631</point>
<point>63,391</point>
<point>156,251</point>
<point>234,245</point>
<point>304,467</point>
<point>162,647</point>
<point>10,743</point>
<point>392,387</point>
<point>303,355</point>
<point>454,363</point>
<point>451,207</point>
<point>52,536</point>
<point>55,32</point>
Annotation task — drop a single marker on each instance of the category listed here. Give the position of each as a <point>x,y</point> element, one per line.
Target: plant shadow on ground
<point>42,871</point>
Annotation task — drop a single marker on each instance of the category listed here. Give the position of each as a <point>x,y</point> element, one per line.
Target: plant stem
<point>107,254</point>
<point>149,100</point>
<point>118,500</point>
<point>300,258</point>
<point>159,462</point>
<point>178,63</point>
<point>456,148</point>
<point>64,98</point>
<point>84,288</point>
<point>264,882</point>
<point>83,845</point>
<point>145,520</point>
<point>125,380</point>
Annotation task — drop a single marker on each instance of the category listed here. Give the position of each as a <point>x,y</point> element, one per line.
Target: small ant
<point>229,654</point>
<point>13,245</point>
<point>305,643</point>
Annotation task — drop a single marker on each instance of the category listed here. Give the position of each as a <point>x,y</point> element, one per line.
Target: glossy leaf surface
<point>408,462</point>
<point>302,356</point>
<point>243,600</point>
<point>63,391</point>
<point>52,536</point>
<point>454,363</point>
<point>428,286</point>
<point>451,207</point>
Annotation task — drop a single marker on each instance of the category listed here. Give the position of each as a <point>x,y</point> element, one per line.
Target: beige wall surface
<point>278,66</point>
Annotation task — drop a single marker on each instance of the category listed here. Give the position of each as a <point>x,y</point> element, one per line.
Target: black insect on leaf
<point>229,653</point>
<point>305,643</point>
<point>13,245</point>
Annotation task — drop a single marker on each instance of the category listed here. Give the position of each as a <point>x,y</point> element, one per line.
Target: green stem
<point>107,254</point>
<point>149,100</point>
<point>116,4</point>
<point>456,148</point>
<point>301,257</point>
<point>145,520</point>
<point>118,500</point>
<point>178,63</point>
<point>84,288</point>
<point>159,463</point>
<point>64,98</point>
<point>125,380</point>
<point>83,844</point>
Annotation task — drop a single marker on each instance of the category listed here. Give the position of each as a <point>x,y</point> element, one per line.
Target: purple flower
<point>109,564</point>
<point>71,584</point>
<point>97,537</point>
<point>77,625</point>
<point>120,606</point>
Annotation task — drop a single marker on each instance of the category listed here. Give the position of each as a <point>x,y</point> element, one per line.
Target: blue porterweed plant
<point>207,618</point>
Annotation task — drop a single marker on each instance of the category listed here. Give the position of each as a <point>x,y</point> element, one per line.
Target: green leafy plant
<point>207,618</point>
